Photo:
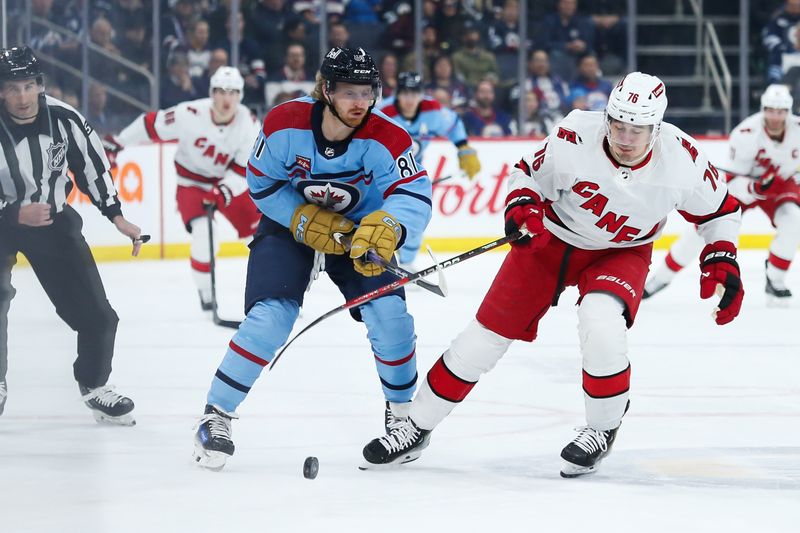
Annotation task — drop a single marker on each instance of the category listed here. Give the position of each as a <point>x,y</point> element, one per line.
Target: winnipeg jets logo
<point>334,196</point>
<point>56,156</point>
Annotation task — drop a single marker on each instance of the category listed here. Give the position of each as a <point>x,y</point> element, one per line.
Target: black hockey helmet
<point>409,81</point>
<point>349,65</point>
<point>19,63</point>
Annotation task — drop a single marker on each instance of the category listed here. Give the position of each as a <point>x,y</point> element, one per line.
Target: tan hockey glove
<point>315,227</point>
<point>378,231</point>
<point>468,160</point>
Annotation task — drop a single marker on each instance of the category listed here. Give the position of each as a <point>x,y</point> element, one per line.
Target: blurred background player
<point>41,140</point>
<point>214,137</point>
<point>762,172</point>
<point>424,118</point>
<point>321,166</point>
<point>589,204</point>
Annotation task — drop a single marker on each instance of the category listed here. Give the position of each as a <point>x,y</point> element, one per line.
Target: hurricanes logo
<point>56,156</point>
<point>334,196</point>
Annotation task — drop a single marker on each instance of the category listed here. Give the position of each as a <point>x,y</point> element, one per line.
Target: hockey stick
<point>437,181</point>
<point>373,257</point>
<point>233,324</point>
<point>369,296</point>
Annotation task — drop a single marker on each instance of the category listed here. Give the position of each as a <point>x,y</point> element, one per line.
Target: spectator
<point>443,97</point>
<point>295,31</point>
<point>484,118</point>
<point>451,23</point>
<point>363,11</point>
<point>178,86</point>
<point>219,58</point>
<point>132,40</point>
<point>198,52</point>
<point>175,24</point>
<point>311,10</point>
<point>400,32</point>
<point>49,41</point>
<point>124,11</point>
<point>338,35</point>
<point>388,72</point>
<point>101,66</point>
<point>293,78</point>
<point>538,120</point>
<point>554,90</point>
<point>265,27</point>
<point>430,51</point>
<point>611,39</point>
<point>503,34</point>
<point>251,65</point>
<point>71,97</point>
<point>589,92</point>
<point>444,78</point>
<point>566,35</point>
<point>97,115</point>
<point>473,62</point>
<point>781,38</point>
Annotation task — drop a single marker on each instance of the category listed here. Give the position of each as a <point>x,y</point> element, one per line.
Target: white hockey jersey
<point>752,153</point>
<point>208,153</point>
<point>594,203</point>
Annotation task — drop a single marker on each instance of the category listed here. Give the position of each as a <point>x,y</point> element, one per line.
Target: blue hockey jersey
<point>292,163</point>
<point>432,120</point>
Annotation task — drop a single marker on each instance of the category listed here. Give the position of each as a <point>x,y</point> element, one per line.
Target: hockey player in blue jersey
<point>424,118</point>
<point>324,165</point>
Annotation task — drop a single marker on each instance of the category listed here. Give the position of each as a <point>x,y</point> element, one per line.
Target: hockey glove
<point>315,227</point>
<point>378,231</point>
<point>718,267</point>
<point>223,196</point>
<point>525,213</point>
<point>468,160</point>
<point>111,147</point>
<point>760,188</point>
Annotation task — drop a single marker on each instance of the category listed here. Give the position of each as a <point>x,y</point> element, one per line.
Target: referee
<point>41,138</point>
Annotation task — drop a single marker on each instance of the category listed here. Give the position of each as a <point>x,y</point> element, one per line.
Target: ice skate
<point>107,406</point>
<point>584,454</point>
<point>212,439</point>
<point>777,295</point>
<point>403,444</point>
<point>3,395</point>
<point>652,286</point>
<point>205,300</point>
<point>396,415</point>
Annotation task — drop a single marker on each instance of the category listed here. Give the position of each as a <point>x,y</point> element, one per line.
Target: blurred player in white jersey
<point>589,204</point>
<point>214,137</point>
<point>762,172</point>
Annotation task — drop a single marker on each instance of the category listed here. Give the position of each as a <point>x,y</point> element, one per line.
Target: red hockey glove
<point>718,267</point>
<point>525,213</point>
<point>761,187</point>
<point>222,196</point>
<point>111,147</point>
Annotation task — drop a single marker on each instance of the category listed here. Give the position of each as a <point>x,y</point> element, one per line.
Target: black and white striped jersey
<point>35,158</point>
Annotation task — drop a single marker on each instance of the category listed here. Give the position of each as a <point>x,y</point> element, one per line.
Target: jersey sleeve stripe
<point>239,169</point>
<point>272,189</point>
<point>254,170</point>
<point>729,205</point>
<point>420,197</point>
<point>150,126</point>
<point>399,182</point>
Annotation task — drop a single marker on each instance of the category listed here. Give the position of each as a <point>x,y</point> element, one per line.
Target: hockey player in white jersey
<point>763,162</point>
<point>589,203</point>
<point>215,136</point>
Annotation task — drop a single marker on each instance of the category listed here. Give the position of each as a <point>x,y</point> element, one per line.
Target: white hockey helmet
<point>229,79</point>
<point>638,99</point>
<point>777,96</point>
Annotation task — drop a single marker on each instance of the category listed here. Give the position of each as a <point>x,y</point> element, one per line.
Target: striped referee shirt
<point>35,158</point>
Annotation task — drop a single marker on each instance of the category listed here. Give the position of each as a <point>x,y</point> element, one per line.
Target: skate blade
<point>403,459</point>
<point>123,420</point>
<point>570,470</point>
<point>209,460</point>
<point>775,302</point>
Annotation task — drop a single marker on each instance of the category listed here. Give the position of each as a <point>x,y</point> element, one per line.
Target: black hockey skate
<point>3,395</point>
<point>107,406</point>
<point>396,415</point>
<point>212,440</point>
<point>652,288</point>
<point>403,444</point>
<point>776,297</point>
<point>583,455</point>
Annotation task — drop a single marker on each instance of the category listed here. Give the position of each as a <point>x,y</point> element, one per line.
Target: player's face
<point>628,142</point>
<point>408,102</point>
<point>352,102</point>
<point>21,98</point>
<point>775,119</point>
<point>225,102</point>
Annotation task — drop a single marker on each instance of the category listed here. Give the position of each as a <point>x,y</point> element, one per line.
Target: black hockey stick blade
<point>233,324</point>
<point>369,296</point>
<point>439,180</point>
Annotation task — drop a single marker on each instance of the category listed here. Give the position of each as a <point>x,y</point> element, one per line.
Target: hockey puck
<point>310,467</point>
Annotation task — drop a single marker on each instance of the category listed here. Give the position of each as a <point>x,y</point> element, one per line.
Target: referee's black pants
<point>62,261</point>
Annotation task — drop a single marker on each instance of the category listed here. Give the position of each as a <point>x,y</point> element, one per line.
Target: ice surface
<point>711,443</point>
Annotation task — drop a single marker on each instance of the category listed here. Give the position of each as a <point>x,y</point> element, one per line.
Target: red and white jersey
<point>753,153</point>
<point>207,152</point>
<point>593,203</point>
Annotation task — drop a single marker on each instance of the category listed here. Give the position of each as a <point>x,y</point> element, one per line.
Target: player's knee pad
<point>603,334</point>
<point>200,250</point>
<point>475,351</point>
<point>390,327</point>
<point>787,224</point>
<point>266,327</point>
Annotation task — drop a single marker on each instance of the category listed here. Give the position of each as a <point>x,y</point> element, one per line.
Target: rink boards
<point>466,213</point>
